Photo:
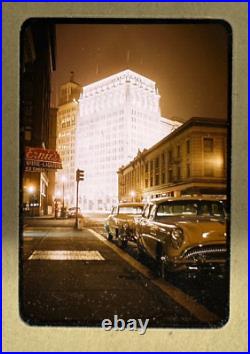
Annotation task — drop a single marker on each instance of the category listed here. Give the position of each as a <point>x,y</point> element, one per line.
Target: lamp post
<point>63,181</point>
<point>31,190</point>
<point>63,208</point>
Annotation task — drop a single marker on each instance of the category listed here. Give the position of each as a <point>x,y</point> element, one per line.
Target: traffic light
<point>79,175</point>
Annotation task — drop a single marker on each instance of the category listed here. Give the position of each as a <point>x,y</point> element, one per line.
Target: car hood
<point>201,230</point>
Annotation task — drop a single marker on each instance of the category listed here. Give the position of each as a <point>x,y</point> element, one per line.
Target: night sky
<point>188,62</point>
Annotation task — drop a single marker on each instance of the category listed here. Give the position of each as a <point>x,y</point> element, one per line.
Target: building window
<point>27,135</point>
<point>146,183</point>
<point>151,181</point>
<point>208,144</point>
<point>170,156</point>
<point>157,163</point>
<point>151,166</point>
<point>163,177</point>
<point>163,160</point>
<point>146,167</point>
<point>156,180</point>
<point>170,176</point>
<point>188,170</point>
<point>178,151</point>
<point>208,147</point>
<point>188,146</point>
<point>178,173</point>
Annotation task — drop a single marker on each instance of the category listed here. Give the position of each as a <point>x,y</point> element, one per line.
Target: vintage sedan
<point>184,233</point>
<point>120,224</point>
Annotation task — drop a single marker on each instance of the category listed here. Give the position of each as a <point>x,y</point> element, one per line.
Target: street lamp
<point>132,193</point>
<point>31,191</point>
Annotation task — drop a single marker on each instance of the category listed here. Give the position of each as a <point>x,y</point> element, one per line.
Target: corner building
<point>118,116</point>
<point>191,160</point>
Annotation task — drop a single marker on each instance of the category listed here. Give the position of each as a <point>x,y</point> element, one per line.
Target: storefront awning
<point>39,159</point>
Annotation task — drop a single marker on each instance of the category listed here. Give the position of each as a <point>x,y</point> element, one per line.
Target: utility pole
<point>79,177</point>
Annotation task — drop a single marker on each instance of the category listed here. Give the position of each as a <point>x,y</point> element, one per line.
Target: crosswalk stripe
<point>52,255</point>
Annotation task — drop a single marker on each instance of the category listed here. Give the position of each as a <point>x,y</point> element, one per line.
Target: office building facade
<point>118,116</point>
<point>67,115</point>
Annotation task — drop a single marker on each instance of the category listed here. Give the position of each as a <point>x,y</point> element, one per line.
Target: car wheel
<point>109,236</point>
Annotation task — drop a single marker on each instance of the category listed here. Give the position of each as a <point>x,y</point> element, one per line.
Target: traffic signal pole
<point>79,177</point>
<point>76,223</point>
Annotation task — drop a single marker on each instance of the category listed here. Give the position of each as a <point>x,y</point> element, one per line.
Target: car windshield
<point>191,208</point>
<point>134,210</point>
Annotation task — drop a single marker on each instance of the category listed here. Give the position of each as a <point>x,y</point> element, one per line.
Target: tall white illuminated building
<point>118,116</point>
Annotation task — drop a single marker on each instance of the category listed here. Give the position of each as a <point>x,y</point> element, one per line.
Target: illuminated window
<point>188,146</point>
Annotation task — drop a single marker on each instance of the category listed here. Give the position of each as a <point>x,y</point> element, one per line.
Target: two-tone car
<point>120,224</point>
<point>185,233</point>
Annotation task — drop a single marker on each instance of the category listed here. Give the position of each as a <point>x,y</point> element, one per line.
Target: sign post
<point>79,177</point>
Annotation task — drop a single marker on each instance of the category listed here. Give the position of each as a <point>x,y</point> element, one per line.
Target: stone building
<point>67,115</point>
<point>191,160</point>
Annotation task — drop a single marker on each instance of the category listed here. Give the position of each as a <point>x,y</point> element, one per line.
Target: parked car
<point>72,212</point>
<point>183,233</point>
<point>120,224</point>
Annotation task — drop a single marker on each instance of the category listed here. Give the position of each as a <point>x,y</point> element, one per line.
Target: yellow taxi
<point>184,233</point>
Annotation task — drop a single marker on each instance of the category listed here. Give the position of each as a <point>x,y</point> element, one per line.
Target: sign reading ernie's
<point>39,159</point>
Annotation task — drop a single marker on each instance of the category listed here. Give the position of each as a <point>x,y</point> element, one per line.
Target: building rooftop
<point>119,78</point>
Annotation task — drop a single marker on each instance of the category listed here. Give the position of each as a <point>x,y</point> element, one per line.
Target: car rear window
<point>130,210</point>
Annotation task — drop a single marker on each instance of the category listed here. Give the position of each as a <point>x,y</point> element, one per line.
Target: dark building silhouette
<point>38,58</point>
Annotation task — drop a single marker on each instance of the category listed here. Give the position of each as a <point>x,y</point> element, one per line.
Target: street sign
<point>79,175</point>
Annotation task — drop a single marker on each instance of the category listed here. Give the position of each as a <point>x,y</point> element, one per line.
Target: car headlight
<point>177,238</point>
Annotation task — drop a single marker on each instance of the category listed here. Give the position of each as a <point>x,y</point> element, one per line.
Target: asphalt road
<point>59,288</point>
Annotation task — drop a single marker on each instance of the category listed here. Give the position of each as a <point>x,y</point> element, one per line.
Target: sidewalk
<point>46,221</point>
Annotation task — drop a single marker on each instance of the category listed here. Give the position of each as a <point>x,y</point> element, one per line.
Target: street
<point>77,277</point>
